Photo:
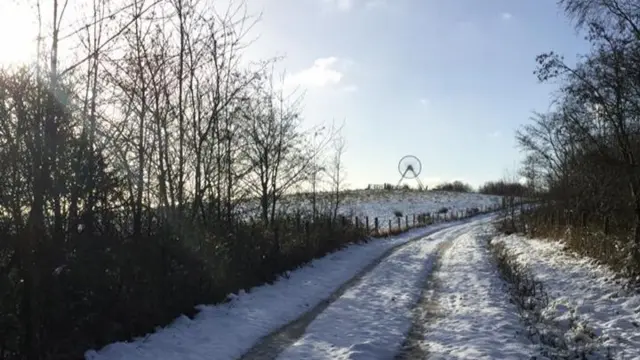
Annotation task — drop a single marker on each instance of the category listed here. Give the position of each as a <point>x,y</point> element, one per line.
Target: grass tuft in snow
<point>606,240</point>
<point>551,324</point>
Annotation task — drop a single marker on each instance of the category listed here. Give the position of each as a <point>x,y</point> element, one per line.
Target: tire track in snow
<point>371,320</point>
<point>426,311</point>
<point>272,345</point>
<point>473,318</point>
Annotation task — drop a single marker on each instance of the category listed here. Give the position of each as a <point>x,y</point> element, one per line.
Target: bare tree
<point>124,161</point>
<point>276,151</point>
<point>600,106</point>
<point>337,172</point>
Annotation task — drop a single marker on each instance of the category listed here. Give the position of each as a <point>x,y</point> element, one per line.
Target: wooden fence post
<point>366,220</point>
<point>357,223</point>
<point>399,223</point>
<point>414,220</point>
<point>406,221</point>
<point>390,228</point>
<point>377,226</point>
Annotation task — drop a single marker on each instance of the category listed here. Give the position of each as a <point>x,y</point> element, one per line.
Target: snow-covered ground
<point>475,318</point>
<point>228,330</point>
<point>584,300</point>
<point>371,320</point>
<point>383,204</point>
<point>471,315</point>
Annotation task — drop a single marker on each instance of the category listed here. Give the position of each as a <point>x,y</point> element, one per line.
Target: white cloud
<point>495,134</point>
<point>321,74</point>
<point>425,102</point>
<point>506,16</point>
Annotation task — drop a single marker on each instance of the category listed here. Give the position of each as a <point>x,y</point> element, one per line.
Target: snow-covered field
<point>585,301</point>
<point>383,204</point>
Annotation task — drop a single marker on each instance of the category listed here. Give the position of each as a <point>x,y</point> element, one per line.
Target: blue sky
<point>447,81</point>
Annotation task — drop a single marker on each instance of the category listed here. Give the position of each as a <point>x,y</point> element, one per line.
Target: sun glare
<point>18,33</point>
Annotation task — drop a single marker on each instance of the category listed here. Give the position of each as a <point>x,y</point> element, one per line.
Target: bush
<point>503,188</point>
<point>606,239</point>
<point>456,186</point>
<point>532,301</point>
<point>109,288</point>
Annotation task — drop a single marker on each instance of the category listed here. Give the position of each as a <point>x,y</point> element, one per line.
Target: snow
<point>584,300</point>
<point>477,320</point>
<point>383,204</point>
<point>228,330</point>
<point>467,310</point>
<point>371,320</point>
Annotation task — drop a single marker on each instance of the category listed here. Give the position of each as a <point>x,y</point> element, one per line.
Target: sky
<point>448,81</point>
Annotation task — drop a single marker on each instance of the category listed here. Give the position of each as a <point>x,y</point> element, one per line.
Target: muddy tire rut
<point>425,312</point>
<point>272,345</point>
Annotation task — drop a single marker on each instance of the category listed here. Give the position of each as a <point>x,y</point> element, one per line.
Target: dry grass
<point>613,249</point>
<point>533,304</point>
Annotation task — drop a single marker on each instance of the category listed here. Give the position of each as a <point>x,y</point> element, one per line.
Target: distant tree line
<point>500,187</point>
<point>504,188</point>
<point>584,152</point>
<point>389,186</point>
<point>455,186</point>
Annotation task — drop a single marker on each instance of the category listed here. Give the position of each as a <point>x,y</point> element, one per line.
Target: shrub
<point>111,288</point>
<point>456,186</point>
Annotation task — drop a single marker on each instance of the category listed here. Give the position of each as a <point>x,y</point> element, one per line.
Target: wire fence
<point>375,226</point>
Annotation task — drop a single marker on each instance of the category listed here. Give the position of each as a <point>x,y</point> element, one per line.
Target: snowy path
<point>227,331</point>
<point>371,320</point>
<point>583,293</point>
<point>474,318</point>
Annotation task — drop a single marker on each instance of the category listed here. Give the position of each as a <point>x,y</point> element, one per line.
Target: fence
<point>548,216</point>
<point>607,237</point>
<point>377,226</point>
<point>399,224</point>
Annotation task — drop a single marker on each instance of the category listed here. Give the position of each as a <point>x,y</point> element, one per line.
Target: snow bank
<point>585,301</point>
